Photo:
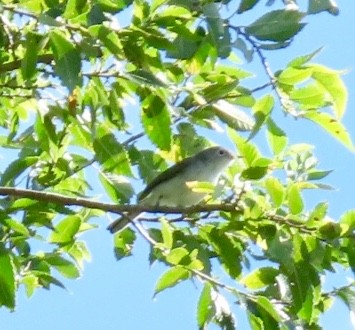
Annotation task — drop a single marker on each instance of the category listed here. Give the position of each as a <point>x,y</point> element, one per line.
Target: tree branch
<point>50,197</point>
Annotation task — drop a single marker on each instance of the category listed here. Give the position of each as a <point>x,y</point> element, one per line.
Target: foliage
<point>71,75</point>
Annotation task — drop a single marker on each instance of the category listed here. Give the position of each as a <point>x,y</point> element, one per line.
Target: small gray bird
<point>170,187</point>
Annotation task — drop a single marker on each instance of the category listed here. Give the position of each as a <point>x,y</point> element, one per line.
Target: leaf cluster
<point>95,94</point>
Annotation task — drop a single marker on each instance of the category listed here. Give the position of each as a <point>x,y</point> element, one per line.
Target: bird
<point>170,187</point>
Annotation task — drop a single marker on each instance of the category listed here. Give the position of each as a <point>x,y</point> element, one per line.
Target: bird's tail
<point>121,223</point>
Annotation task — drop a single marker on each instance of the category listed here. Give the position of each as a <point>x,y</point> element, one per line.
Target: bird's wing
<point>166,175</point>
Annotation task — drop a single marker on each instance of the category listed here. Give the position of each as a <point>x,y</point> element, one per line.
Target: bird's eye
<point>221,152</point>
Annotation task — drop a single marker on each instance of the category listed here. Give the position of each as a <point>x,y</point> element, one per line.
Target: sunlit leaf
<point>171,277</point>
<point>332,126</point>
<point>7,279</point>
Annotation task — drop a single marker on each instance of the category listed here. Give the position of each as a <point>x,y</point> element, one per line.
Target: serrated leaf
<point>67,60</point>
<point>7,280</point>
<point>63,266</point>
<point>156,121</point>
<point>167,233</point>
<point>277,25</point>
<point>28,63</point>
<point>276,137</point>
<point>299,61</point>
<point>31,284</point>
<point>292,76</point>
<point>347,295</point>
<point>117,187</point>
<point>246,5</point>
<point>275,190</point>
<point>204,306</point>
<point>218,31</point>
<point>176,255</point>
<point>260,278</point>
<point>123,243</point>
<point>332,83</point>
<point>262,110</point>
<point>110,153</point>
<point>228,251</point>
<point>108,37</point>
<point>176,12</point>
<point>233,116</point>
<point>268,307</point>
<point>16,168</point>
<point>171,277</point>
<point>65,230</point>
<point>146,77</point>
<point>318,213</point>
<point>311,96</point>
<point>248,151</point>
<point>79,252</point>
<point>332,126</point>
<point>294,198</point>
<point>16,226</point>
<point>347,222</point>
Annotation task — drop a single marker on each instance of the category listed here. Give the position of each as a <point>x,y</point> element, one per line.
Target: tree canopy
<point>96,94</point>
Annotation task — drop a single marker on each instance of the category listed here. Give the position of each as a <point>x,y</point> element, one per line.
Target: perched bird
<point>170,187</point>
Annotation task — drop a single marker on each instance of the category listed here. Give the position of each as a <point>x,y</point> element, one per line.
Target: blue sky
<point>119,295</point>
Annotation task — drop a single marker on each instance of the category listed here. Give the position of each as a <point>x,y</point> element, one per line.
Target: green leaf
<point>332,126</point>
<point>276,137</point>
<point>204,306</point>
<point>246,5</point>
<point>254,172</point>
<point>317,6</point>
<point>317,174</point>
<point>175,12</point>
<point>248,151</point>
<point>31,284</point>
<point>63,266</point>
<point>117,187</point>
<point>29,62</point>
<point>347,222</point>
<point>16,226</point>
<point>292,76</point>
<point>171,277</point>
<point>275,190</point>
<point>347,295</point>
<point>67,60</point>
<point>299,61</point>
<point>110,153</point>
<point>311,96</point>
<point>16,168</point>
<point>294,198</point>
<point>65,230</point>
<point>262,110</point>
<point>260,278</point>
<point>156,121</point>
<point>176,256</point>
<point>123,243</point>
<point>167,233</point>
<point>332,83</point>
<point>218,31</point>
<point>233,116</point>
<point>142,76</point>
<point>7,280</point>
<point>268,307</point>
<point>277,25</point>
<point>318,213</point>
<point>227,249</point>
<point>79,252</point>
